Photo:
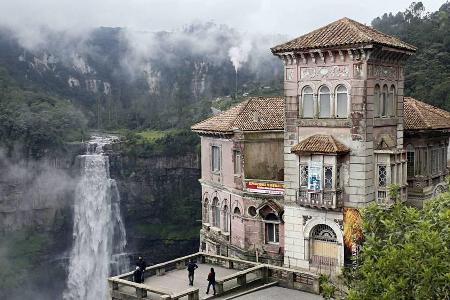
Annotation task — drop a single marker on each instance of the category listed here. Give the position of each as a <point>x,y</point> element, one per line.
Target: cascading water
<point>99,233</point>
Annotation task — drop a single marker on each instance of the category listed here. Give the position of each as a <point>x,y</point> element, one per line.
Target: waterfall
<point>98,232</point>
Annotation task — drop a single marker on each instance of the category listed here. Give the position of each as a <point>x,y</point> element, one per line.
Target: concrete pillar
<point>242,280</point>
<point>141,293</point>
<point>193,296</point>
<point>229,264</point>
<point>219,287</point>
<point>291,279</point>
<point>180,265</point>
<point>113,285</point>
<point>160,271</point>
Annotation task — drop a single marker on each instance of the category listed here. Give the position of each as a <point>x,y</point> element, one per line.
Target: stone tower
<point>343,142</point>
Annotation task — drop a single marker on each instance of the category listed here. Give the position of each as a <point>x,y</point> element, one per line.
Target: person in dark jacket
<point>191,266</point>
<point>142,266</point>
<point>211,281</point>
<point>137,275</point>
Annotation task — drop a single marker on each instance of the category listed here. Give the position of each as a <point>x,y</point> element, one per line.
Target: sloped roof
<point>253,114</point>
<point>422,116</point>
<point>343,32</point>
<point>320,144</point>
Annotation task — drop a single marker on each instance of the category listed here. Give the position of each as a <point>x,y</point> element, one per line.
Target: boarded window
<point>392,105</point>
<point>308,102</point>
<point>215,158</point>
<point>237,161</point>
<point>384,101</point>
<point>341,102</point>
<point>325,102</point>
<point>377,100</point>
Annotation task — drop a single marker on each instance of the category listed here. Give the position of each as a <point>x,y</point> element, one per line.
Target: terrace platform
<point>236,279</point>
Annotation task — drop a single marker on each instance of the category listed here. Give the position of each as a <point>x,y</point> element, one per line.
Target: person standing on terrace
<point>191,266</point>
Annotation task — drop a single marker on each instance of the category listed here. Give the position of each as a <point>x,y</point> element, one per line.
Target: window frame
<point>213,160</point>
<point>337,93</point>
<point>320,96</point>
<point>393,100</point>
<point>237,162</point>
<point>303,102</point>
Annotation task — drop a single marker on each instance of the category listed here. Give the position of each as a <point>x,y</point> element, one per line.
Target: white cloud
<point>292,17</point>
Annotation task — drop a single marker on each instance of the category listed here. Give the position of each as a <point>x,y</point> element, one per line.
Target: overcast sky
<point>291,17</point>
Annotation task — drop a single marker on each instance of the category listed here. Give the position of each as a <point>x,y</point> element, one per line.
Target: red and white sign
<point>265,187</point>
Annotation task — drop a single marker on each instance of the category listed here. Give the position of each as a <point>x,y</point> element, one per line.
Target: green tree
<point>406,254</point>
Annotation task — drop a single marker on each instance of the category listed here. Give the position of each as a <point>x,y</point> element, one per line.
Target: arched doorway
<point>324,248</point>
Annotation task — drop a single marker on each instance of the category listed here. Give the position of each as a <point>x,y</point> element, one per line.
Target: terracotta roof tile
<point>422,116</point>
<point>253,114</point>
<point>343,32</point>
<point>320,144</point>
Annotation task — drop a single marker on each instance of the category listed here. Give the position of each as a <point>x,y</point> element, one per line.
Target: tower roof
<point>343,32</point>
<point>253,114</point>
<point>422,116</point>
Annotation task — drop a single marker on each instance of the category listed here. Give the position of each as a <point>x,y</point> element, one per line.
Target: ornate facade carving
<point>378,71</point>
<point>340,223</point>
<point>305,219</point>
<point>326,72</point>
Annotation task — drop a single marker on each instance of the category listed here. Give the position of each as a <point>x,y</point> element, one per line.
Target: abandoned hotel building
<point>280,174</point>
<point>283,178</point>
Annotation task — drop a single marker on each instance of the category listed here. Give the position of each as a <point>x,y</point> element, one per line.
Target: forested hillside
<point>427,72</point>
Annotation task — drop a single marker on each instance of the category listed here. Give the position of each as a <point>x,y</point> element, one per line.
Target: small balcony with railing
<point>322,199</point>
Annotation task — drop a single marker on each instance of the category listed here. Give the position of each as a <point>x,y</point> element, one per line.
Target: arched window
<point>215,212</point>
<point>377,100</point>
<point>272,226</point>
<point>324,102</point>
<point>384,101</point>
<point>411,157</point>
<point>392,102</point>
<point>206,211</point>
<point>341,102</point>
<point>237,211</point>
<point>225,218</point>
<point>308,102</point>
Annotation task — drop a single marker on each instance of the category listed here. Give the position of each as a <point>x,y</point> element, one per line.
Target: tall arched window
<point>377,100</point>
<point>215,212</point>
<point>392,102</point>
<point>225,218</point>
<point>384,101</point>
<point>324,102</point>
<point>341,102</point>
<point>308,102</point>
<point>206,211</point>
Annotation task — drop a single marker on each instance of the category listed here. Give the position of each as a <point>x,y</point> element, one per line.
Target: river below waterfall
<point>99,237</point>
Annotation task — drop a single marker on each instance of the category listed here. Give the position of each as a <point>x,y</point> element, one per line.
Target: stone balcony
<point>323,199</point>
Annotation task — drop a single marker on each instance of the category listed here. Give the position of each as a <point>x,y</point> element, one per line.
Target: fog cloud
<point>290,17</point>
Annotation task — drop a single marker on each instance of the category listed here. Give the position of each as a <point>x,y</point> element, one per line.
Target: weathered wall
<point>263,156</point>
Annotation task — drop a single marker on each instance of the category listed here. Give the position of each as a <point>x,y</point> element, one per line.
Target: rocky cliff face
<point>159,203</point>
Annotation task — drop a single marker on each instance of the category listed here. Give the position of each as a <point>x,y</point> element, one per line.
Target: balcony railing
<point>323,199</point>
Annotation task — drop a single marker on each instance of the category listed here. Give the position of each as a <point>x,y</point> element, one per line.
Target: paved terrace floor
<point>177,281</point>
